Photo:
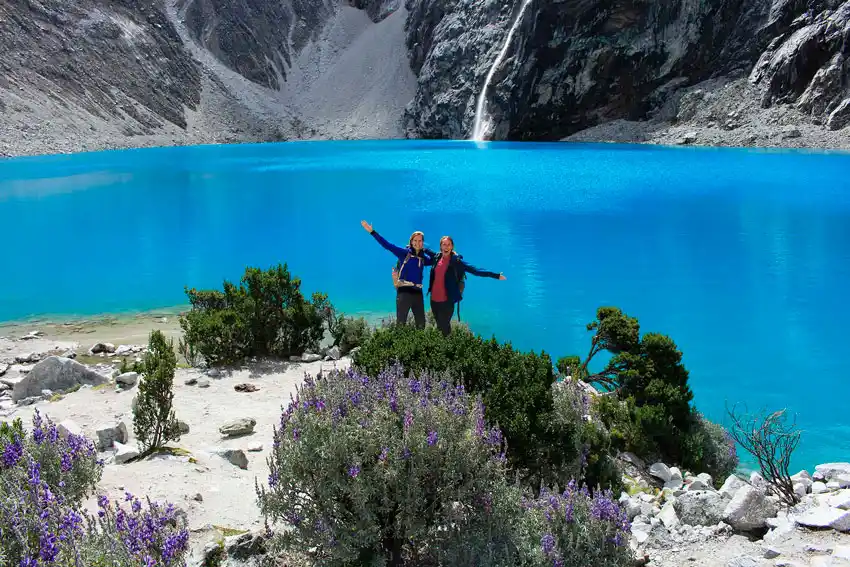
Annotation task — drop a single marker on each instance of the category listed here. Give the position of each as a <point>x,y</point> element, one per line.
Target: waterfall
<point>481,124</point>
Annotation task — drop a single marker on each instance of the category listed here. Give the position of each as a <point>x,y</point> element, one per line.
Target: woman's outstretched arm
<point>479,272</point>
<point>398,252</point>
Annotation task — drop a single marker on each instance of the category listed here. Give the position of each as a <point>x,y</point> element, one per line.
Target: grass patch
<point>103,386</point>
<point>228,532</point>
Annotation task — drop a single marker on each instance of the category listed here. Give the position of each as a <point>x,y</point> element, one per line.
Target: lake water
<point>742,257</point>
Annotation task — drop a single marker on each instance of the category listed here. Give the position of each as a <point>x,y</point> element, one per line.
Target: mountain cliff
<point>90,74</point>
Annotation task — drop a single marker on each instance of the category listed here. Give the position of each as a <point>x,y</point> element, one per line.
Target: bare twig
<point>772,442</point>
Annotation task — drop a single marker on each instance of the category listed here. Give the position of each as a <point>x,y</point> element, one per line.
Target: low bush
<point>516,387</point>
<point>266,315</point>
<point>154,422</point>
<point>579,443</point>
<point>348,333</point>
<point>650,412</point>
<point>43,479</point>
<point>390,471</point>
<point>575,529</point>
<point>397,470</point>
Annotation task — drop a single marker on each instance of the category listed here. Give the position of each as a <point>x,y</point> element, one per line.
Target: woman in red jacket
<point>445,286</point>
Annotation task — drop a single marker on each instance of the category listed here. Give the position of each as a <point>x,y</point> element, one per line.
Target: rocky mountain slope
<point>113,73</point>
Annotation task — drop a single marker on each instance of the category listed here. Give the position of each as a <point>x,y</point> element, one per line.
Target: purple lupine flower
<point>12,453</point>
<point>296,434</point>
<point>405,453</point>
<point>320,405</point>
<point>354,471</point>
<point>384,454</point>
<point>432,438</point>
<point>394,403</point>
<point>547,542</point>
<point>408,420</point>
<point>415,386</point>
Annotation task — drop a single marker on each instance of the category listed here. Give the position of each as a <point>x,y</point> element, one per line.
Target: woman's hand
<point>502,277</point>
<point>366,226</point>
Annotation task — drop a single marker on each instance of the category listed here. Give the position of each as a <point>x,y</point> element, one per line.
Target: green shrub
<point>266,315</point>
<point>710,448</point>
<point>390,471</point>
<point>651,414</point>
<point>573,529</point>
<point>515,386</point>
<point>348,333</point>
<point>154,422</point>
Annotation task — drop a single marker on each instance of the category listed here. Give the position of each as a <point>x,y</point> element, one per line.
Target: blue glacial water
<point>742,257</point>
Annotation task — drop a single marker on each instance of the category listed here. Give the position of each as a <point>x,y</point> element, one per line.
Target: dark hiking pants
<point>443,311</point>
<point>407,300</point>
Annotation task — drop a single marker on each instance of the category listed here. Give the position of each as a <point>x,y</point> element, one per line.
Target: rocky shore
<point>678,517</point>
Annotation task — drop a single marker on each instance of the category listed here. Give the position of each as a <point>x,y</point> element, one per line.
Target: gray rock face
<point>702,508</point>
<point>573,64</point>
<point>114,58</point>
<point>54,373</point>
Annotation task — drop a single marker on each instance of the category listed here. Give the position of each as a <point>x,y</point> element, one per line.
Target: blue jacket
<point>455,273</point>
<point>413,269</point>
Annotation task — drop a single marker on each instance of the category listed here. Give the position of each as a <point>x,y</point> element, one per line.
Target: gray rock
<point>203,383</point>
<point>660,471</point>
<point>699,484</point>
<point>770,552</point>
<point>668,515</point>
<point>703,508</point>
<point>743,561</point>
<point>124,453</point>
<point>3,368</point>
<point>108,435</point>
<point>334,353</point>
<point>57,374</point>
<point>127,379</point>
<point>244,546</point>
<point>818,487</point>
<point>182,427</point>
<point>825,517</point>
<point>749,509</point>
<point>68,427</point>
<point>234,456</point>
<point>29,358</point>
<point>214,373</point>
<point>731,486</point>
<point>238,427</point>
<point>102,348</point>
<point>191,381</point>
<point>840,117</point>
<point>310,357</point>
<point>828,471</point>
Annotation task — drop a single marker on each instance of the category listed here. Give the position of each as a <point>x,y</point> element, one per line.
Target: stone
<point>124,453</point>
<point>127,379</point>
<point>743,561</point>
<point>107,435</point>
<point>198,497</point>
<point>840,117</point>
<point>29,358</point>
<point>828,471</point>
<point>660,471</point>
<point>310,357</point>
<point>699,484</point>
<point>246,387</point>
<point>800,489</point>
<point>57,374</point>
<point>732,484</point>
<point>257,448</point>
<point>668,515</point>
<point>214,373</point>
<point>334,353</point>
<point>123,350</point>
<point>191,381</point>
<point>68,427</point>
<point>238,427</point>
<point>840,499</point>
<point>244,546</point>
<point>825,517</point>
<point>3,368</point>
<point>203,383</point>
<point>818,487</point>
<point>102,348</point>
<point>701,508</point>
<point>233,456</point>
<point>749,509</point>
<point>770,552</point>
<point>182,427</point>
<point>791,132</point>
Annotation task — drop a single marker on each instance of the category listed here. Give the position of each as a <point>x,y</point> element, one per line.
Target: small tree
<point>771,441</point>
<point>154,422</point>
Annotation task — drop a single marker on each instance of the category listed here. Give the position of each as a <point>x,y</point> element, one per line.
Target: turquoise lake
<point>741,256</point>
